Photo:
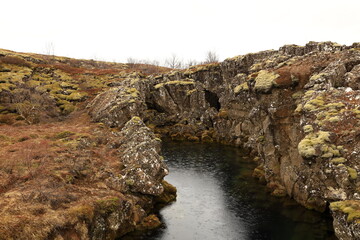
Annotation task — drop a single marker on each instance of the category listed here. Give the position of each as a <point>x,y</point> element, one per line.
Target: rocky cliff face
<point>297,110</point>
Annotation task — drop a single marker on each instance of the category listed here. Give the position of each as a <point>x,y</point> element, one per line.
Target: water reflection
<point>218,199</point>
<point>201,210</point>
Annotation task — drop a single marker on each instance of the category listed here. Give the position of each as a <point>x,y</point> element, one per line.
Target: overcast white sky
<point>115,30</point>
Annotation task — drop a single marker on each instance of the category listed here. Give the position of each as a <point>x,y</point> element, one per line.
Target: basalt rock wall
<point>296,109</point>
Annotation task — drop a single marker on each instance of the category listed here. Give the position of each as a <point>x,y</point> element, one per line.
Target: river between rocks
<point>219,199</point>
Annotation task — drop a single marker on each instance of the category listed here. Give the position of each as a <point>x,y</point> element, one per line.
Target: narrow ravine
<point>218,199</point>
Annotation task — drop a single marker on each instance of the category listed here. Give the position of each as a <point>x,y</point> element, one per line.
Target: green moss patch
<point>311,144</point>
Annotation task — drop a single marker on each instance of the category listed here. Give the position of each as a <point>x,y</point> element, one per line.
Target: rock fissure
<point>297,110</point>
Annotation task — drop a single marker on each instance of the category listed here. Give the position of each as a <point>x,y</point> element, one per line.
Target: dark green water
<point>218,199</point>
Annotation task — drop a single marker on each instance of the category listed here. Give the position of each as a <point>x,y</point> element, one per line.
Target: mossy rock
<point>242,87</point>
<point>33,83</point>
<point>335,105</point>
<point>168,195</point>
<point>148,223</point>
<point>76,96</point>
<point>313,141</point>
<point>67,108</point>
<point>316,77</point>
<point>299,108</point>
<point>136,120</point>
<point>327,155</point>
<point>352,173</point>
<point>308,129</point>
<point>66,85</point>
<point>334,119</point>
<point>297,95</point>
<point>349,207</point>
<point>53,88</point>
<point>265,80</point>
<point>133,92</point>
<point>314,104</point>
<point>338,160</point>
<point>184,82</point>
<point>108,205</point>
<point>259,173</point>
<point>7,87</point>
<point>12,77</point>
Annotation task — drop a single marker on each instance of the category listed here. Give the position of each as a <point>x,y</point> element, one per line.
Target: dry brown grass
<point>51,174</point>
<point>148,69</point>
<point>15,61</point>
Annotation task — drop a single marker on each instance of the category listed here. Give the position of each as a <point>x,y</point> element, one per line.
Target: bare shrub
<point>33,106</point>
<point>191,62</point>
<point>173,62</point>
<point>211,57</point>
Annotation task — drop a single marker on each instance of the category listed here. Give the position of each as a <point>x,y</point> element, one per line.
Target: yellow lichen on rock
<point>265,81</point>
<point>314,104</point>
<point>244,86</point>
<point>308,128</point>
<point>350,207</point>
<point>313,141</point>
<point>136,119</point>
<point>6,87</point>
<point>338,160</point>
<point>317,76</point>
<point>76,96</point>
<point>188,93</point>
<point>133,92</point>
<point>185,82</point>
<point>352,173</point>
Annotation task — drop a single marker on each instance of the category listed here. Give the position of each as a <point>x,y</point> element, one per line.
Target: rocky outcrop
<point>346,223</point>
<point>296,109</point>
<point>144,168</point>
<point>143,173</point>
<point>129,99</point>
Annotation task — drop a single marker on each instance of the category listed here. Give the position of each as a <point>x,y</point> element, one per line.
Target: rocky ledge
<point>297,109</point>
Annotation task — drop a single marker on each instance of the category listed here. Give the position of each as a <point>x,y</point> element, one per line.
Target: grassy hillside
<point>53,159</point>
<point>40,88</point>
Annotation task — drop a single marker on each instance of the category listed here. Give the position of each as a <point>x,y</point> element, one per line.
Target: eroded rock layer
<point>297,109</point>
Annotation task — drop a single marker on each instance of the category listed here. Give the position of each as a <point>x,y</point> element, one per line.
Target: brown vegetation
<point>55,163</point>
<point>51,167</point>
<point>15,61</point>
